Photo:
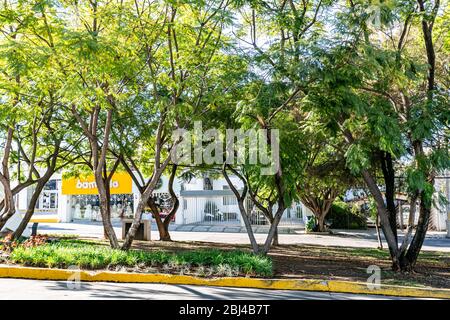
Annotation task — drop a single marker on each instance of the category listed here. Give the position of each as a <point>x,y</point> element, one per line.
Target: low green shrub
<point>345,216</point>
<point>311,224</point>
<point>85,255</point>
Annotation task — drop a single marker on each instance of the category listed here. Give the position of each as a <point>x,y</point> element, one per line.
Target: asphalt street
<point>11,289</point>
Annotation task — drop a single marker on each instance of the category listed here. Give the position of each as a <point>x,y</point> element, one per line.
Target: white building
<point>202,201</point>
<point>440,213</point>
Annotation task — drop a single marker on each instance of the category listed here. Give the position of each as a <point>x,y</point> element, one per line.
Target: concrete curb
<point>7,271</point>
<point>44,220</point>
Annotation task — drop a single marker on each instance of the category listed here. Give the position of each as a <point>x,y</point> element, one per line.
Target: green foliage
<point>357,157</point>
<point>311,224</point>
<point>345,216</point>
<point>343,95</point>
<point>87,255</point>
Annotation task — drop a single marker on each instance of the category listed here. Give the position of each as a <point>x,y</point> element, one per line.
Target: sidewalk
<point>435,241</point>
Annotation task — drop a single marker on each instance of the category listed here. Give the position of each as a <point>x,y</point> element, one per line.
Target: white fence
<point>219,207</point>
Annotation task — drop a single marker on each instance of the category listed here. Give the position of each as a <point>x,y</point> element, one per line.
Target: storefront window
<point>87,207</point>
<point>164,203</point>
<point>48,200</point>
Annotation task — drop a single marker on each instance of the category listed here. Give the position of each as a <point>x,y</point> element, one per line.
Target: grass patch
<point>89,255</point>
<point>367,252</point>
<point>431,257</point>
<point>62,235</point>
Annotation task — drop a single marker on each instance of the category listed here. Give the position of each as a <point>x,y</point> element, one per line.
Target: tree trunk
<point>16,190</point>
<point>275,238</point>
<point>320,222</point>
<point>241,204</point>
<point>273,229</point>
<point>383,213</point>
<point>145,196</point>
<point>377,227</point>
<point>384,219</point>
<point>9,206</point>
<point>387,167</point>
<point>248,227</point>
<point>147,193</point>
<point>30,210</point>
<point>106,212</point>
<point>408,261</point>
<point>163,231</point>
<point>268,212</point>
<point>400,216</point>
<point>164,234</point>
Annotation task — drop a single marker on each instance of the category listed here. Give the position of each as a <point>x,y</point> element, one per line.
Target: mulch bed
<point>331,263</point>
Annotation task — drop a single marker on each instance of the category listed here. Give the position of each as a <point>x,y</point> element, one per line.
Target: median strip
<point>337,286</point>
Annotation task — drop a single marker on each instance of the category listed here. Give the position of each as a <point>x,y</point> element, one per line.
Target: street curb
<point>44,220</point>
<point>7,271</point>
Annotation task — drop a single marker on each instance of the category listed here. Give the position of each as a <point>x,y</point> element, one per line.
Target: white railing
<point>223,210</point>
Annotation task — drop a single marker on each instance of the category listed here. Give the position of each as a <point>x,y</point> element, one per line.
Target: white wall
<point>439,211</point>
<point>22,199</point>
<point>194,184</point>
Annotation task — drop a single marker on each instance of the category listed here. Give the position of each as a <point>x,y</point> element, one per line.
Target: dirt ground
<point>337,263</point>
<point>328,263</point>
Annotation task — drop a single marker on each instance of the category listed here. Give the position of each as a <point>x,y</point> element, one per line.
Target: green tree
<point>373,95</point>
<point>324,176</point>
<point>34,147</point>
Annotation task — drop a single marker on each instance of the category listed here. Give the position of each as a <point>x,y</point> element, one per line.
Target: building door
<point>48,200</point>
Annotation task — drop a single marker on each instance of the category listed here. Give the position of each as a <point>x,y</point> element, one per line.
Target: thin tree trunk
<point>387,167</point>
<point>98,154</point>
<point>163,225</point>
<point>273,229</point>
<point>381,209</point>
<point>42,181</point>
<point>321,222</point>
<point>102,182</point>
<point>146,194</point>
<point>175,205</point>
<point>400,216</point>
<point>384,219</point>
<point>105,213</point>
<point>377,222</point>
<point>16,190</point>
<point>30,210</point>
<point>141,207</point>
<point>241,204</point>
<point>275,238</point>
<point>248,226</point>
<point>409,260</point>
<point>163,232</point>
<point>9,206</point>
<point>412,213</point>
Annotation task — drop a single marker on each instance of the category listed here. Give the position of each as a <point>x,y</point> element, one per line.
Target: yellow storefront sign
<point>121,183</point>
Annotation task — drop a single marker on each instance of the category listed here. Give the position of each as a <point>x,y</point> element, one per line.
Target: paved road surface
<point>58,290</point>
<point>435,241</point>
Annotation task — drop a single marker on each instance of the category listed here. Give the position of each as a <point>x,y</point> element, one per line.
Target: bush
<point>345,216</point>
<point>87,255</point>
<point>311,225</point>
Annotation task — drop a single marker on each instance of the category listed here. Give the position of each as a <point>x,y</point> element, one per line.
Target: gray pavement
<point>59,290</point>
<point>435,241</point>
